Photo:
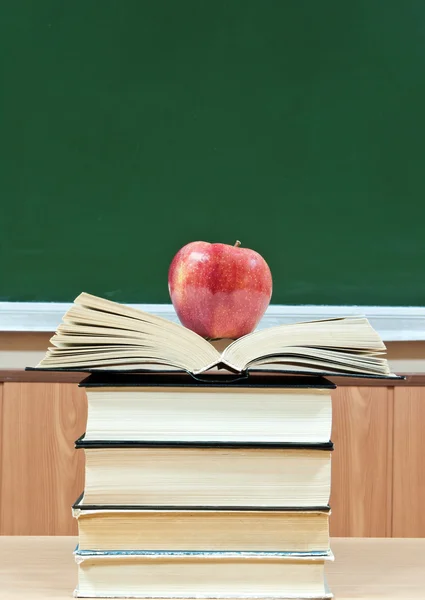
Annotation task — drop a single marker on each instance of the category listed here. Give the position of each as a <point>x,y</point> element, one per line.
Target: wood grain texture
<point>363,569</point>
<point>361,463</point>
<point>42,474</point>
<point>20,375</point>
<point>409,463</point>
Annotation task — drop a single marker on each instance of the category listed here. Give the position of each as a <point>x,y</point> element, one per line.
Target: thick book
<point>207,474</point>
<point>153,529</point>
<point>100,334</point>
<point>201,575</point>
<point>172,408</point>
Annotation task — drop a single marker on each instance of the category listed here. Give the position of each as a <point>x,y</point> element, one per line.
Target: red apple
<point>218,290</point>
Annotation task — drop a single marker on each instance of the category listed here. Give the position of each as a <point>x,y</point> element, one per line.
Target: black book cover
<point>82,443</point>
<point>226,378</point>
<point>163,379</point>
<point>166,508</point>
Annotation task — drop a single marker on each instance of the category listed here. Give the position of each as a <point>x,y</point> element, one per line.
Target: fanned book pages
<point>97,334</point>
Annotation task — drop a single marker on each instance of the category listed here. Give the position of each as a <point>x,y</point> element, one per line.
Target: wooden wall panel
<point>378,480</point>
<point>362,462</point>
<point>42,474</point>
<point>409,462</point>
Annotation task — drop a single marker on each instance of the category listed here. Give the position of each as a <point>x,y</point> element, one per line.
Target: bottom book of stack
<point>184,574</point>
<point>111,562</point>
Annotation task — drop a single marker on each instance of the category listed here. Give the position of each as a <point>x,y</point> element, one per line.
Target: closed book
<point>206,575</point>
<point>173,408</point>
<point>221,475</point>
<point>141,528</point>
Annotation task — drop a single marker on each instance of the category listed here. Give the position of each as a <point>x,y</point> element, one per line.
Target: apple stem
<point>237,244</point>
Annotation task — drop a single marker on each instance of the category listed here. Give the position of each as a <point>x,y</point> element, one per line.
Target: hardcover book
<point>202,529</point>
<point>130,407</point>
<point>207,474</point>
<point>206,575</point>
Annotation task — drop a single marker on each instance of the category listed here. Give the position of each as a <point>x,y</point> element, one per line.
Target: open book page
<point>343,343</point>
<point>300,363</point>
<point>98,333</point>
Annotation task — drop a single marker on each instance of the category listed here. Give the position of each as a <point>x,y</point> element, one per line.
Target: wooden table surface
<point>43,568</point>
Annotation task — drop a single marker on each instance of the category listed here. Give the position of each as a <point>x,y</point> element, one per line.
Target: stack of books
<point>213,489</point>
<point>202,485</point>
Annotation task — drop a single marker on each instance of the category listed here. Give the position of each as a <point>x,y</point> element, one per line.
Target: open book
<point>100,334</point>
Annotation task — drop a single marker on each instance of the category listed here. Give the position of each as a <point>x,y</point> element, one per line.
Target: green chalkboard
<point>129,128</point>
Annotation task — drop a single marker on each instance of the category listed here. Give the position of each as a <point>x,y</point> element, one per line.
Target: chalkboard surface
<point>131,128</point>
